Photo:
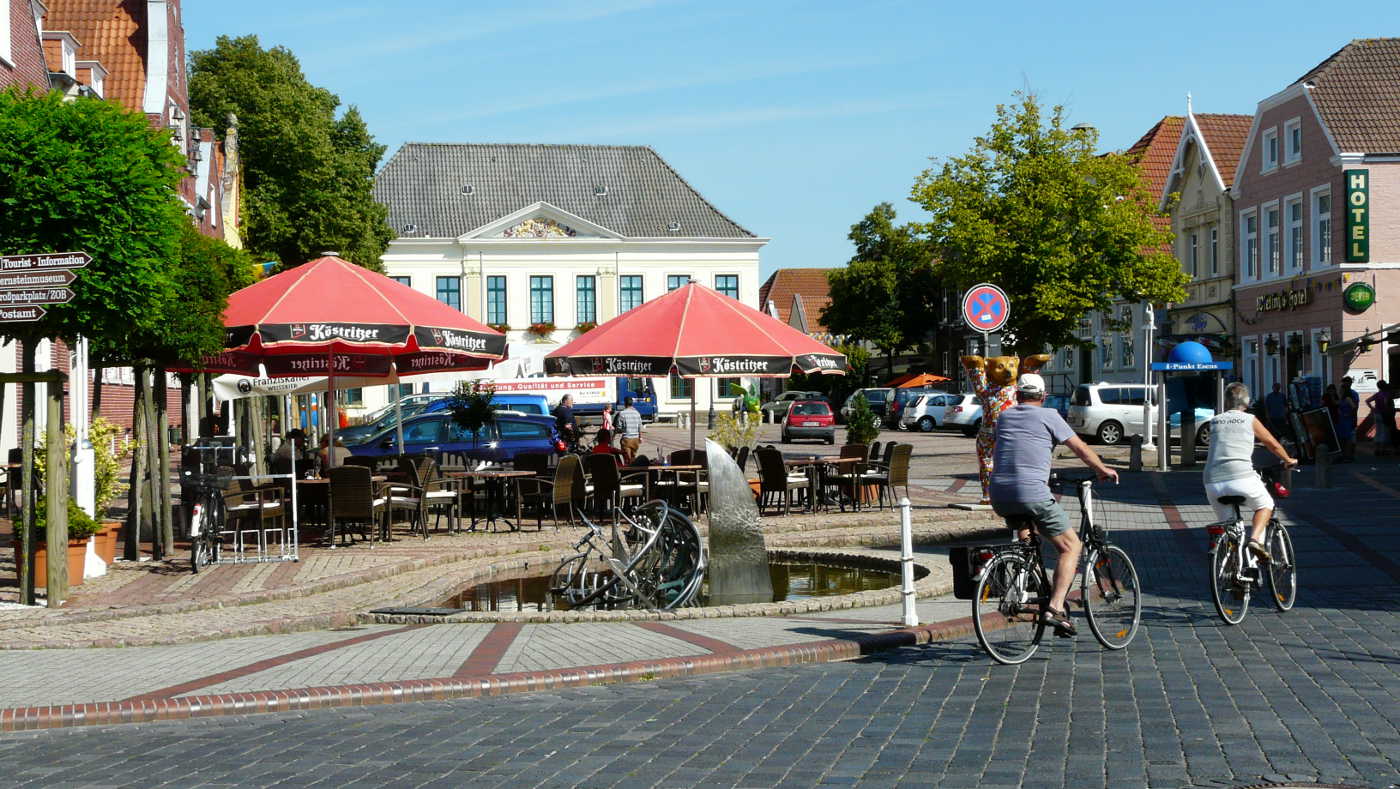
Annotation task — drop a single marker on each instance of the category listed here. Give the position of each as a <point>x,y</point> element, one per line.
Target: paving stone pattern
<point>1309,695</point>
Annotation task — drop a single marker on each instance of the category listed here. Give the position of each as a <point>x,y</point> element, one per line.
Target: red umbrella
<point>330,317</point>
<point>699,333</point>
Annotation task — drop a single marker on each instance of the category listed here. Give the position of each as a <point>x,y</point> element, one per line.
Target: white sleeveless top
<point>1231,447</point>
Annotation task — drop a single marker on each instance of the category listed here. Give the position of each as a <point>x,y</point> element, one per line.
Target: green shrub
<point>80,525</point>
<point>863,426</point>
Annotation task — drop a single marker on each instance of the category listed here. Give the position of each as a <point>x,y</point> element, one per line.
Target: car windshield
<point>809,409</point>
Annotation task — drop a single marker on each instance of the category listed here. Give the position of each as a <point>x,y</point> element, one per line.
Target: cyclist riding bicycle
<point>1230,465</point>
<point>1020,489</point>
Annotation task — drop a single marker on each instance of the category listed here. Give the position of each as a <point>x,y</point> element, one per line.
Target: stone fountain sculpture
<point>738,559</point>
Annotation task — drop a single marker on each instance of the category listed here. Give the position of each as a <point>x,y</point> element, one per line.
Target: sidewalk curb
<point>832,650</point>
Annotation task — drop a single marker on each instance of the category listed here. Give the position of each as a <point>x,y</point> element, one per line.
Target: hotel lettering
<point>1358,208</point>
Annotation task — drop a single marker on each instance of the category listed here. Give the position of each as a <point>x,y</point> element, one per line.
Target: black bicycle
<point>207,517</point>
<point>1235,572</point>
<point>1013,588</point>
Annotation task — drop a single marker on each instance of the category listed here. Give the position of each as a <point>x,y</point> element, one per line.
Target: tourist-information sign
<point>27,296</point>
<point>44,262</point>
<point>21,314</point>
<point>985,307</point>
<point>56,278</point>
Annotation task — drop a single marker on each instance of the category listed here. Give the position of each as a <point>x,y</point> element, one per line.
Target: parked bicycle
<point>1235,571</point>
<point>207,517</point>
<point>1013,588</point>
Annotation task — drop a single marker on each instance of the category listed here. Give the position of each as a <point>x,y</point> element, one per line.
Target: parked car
<point>965,414</point>
<point>877,397</point>
<point>810,419</point>
<point>1111,412</point>
<point>531,404</point>
<point>926,412</point>
<point>498,442</point>
<point>774,410</point>
<point>901,401</point>
<point>410,405</point>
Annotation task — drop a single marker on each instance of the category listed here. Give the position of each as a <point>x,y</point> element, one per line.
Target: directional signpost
<point>27,284</point>
<point>985,308</point>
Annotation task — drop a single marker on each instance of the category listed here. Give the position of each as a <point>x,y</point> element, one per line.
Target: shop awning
<point>1383,333</point>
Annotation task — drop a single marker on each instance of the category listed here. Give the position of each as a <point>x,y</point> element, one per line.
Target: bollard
<point>1322,471</point>
<point>906,562</point>
<point>1135,453</point>
<point>1188,438</point>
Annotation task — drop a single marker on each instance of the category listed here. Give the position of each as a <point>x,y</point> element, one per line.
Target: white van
<point>1109,413</point>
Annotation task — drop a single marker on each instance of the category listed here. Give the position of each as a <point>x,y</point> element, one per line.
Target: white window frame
<point>1320,252</point>
<point>1106,353</point>
<point>1214,250</point>
<point>1294,235</point>
<point>6,56</point>
<point>1249,357</point>
<point>1292,156</point>
<point>1268,150</point>
<point>1193,256</point>
<point>1271,250</point>
<point>1249,264</point>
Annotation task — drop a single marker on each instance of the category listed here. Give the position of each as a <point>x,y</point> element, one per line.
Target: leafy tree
<point>1063,231</point>
<point>889,292</point>
<point>89,176</point>
<point>308,175</point>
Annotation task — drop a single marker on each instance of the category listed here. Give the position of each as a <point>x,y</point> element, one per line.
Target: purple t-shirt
<point>1025,436</point>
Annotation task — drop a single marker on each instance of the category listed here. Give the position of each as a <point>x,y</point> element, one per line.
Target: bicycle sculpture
<point>654,560</point>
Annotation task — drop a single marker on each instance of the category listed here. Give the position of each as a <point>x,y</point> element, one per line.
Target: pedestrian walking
<point>1382,405</point>
<point>629,422</point>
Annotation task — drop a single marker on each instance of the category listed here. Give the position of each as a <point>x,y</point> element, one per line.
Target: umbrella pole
<point>398,418</point>
<point>332,413</point>
<point>692,416</point>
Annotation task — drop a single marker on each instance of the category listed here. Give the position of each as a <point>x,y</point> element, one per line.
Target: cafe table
<point>820,469</point>
<point>496,480</point>
<point>669,489</point>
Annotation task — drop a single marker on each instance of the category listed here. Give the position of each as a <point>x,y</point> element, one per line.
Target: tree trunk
<point>25,562</point>
<point>154,477</point>
<point>96,392</point>
<point>167,518</point>
<point>204,428</point>
<point>135,501</point>
<point>56,492</point>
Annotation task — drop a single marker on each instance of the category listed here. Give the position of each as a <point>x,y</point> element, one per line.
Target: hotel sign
<point>1282,300</point>
<point>1358,209</point>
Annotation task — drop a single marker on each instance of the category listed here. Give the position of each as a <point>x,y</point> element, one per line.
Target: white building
<point>544,239</point>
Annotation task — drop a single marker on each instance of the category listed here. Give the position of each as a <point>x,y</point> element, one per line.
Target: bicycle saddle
<point>1231,499</point>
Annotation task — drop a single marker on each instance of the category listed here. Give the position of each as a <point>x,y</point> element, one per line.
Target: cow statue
<point>994,381</point>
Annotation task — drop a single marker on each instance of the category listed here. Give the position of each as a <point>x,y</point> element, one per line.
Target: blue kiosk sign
<point>1191,367</point>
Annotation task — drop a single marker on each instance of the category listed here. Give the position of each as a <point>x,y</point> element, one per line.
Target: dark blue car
<point>498,442</point>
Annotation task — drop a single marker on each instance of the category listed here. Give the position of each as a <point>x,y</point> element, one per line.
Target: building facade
<point>546,241</point>
<point>1317,213</point>
<point>21,47</point>
<point>1197,198</point>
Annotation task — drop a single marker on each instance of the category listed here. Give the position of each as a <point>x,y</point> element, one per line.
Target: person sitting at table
<point>296,442</point>
<point>333,459</point>
<point>604,446</point>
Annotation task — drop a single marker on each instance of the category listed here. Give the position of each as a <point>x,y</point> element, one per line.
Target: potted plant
<point>863,426</point>
<point>471,408</point>
<point>584,327</point>
<point>108,455</point>
<point>540,330</point>
<point>81,528</point>
<point>500,327</point>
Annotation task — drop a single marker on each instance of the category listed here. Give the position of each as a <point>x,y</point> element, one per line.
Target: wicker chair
<point>888,476</point>
<point>570,487</point>
<point>775,481</point>
<point>611,489</point>
<point>874,451</point>
<point>441,496</point>
<point>354,501</point>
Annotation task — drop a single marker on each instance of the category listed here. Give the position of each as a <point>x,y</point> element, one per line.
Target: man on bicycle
<point>1020,489</point>
<point>1230,464</point>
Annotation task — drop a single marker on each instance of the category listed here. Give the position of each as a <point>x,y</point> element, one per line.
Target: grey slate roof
<point>422,185</point>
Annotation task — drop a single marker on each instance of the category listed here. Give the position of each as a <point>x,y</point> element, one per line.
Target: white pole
<point>1148,318</point>
<point>84,483</point>
<point>906,562</point>
<point>398,417</point>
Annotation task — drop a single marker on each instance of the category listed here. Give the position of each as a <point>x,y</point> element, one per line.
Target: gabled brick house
<point>21,49</point>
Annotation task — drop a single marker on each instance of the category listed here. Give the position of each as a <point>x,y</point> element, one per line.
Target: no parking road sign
<point>985,307</point>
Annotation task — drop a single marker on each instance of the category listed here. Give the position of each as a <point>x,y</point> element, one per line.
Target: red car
<point>810,419</point>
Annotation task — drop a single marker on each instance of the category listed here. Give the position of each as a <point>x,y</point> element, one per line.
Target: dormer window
<point>94,76</point>
<point>61,52</point>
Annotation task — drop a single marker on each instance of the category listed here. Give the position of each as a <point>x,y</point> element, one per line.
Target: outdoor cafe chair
<point>611,489</point>
<point>252,510</point>
<point>537,462</point>
<point>875,451</point>
<point>354,501</point>
<point>887,476</point>
<point>441,496</point>
<point>742,458</point>
<point>570,488</point>
<point>698,490</point>
<point>776,482</point>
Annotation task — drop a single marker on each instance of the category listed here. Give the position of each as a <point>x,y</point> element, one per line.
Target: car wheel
<point>786,439</point>
<point>1110,433</point>
<point>1203,437</point>
<point>927,424</point>
<point>831,439</point>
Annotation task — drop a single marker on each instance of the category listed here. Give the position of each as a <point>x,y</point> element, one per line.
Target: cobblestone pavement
<point>1309,695</point>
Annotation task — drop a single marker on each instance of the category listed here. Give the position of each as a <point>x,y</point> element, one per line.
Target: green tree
<point>89,176</point>
<point>1063,231</point>
<point>889,292</point>
<point>308,175</point>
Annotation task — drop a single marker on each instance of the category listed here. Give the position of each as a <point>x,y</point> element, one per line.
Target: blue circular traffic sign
<point>985,307</point>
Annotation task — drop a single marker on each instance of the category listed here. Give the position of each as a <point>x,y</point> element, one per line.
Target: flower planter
<point>106,541</point>
<point>77,552</point>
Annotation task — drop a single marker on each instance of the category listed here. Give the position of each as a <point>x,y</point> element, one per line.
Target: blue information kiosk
<point>1186,358</point>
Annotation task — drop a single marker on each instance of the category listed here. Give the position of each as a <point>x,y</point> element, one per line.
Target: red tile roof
<point>808,284</point>
<point>1153,153</point>
<point>112,32</point>
<point>1225,136</point>
<point>1357,92</point>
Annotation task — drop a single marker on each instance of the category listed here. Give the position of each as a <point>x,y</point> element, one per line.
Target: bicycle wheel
<point>1112,599</point>
<point>1006,608</point>
<point>1230,595</point>
<point>1283,570</point>
<point>199,547</point>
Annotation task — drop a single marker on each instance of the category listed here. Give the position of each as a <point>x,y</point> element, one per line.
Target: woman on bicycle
<point>1230,465</point>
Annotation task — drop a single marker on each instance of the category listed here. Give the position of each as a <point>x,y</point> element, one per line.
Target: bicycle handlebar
<point>1071,477</point>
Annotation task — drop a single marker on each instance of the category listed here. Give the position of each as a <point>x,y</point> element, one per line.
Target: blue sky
<point>794,118</point>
